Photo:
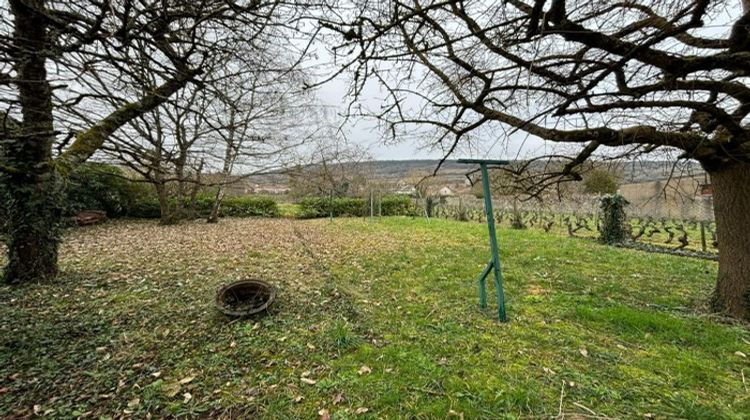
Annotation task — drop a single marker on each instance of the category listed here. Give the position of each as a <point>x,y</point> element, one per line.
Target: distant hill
<point>452,172</point>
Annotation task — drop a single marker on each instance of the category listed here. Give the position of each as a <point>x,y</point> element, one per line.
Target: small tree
<point>600,181</point>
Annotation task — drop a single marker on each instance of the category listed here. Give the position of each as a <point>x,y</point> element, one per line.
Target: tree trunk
<point>213,217</point>
<point>34,218</point>
<point>732,211</point>
<point>33,209</point>
<point>167,217</point>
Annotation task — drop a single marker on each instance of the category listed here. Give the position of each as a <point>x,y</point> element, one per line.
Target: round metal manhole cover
<point>245,298</point>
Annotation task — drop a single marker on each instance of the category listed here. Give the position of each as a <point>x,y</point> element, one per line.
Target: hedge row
<point>230,207</point>
<point>95,186</point>
<point>358,207</point>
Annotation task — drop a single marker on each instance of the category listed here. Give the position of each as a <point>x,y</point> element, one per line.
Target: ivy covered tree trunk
<point>732,211</point>
<point>613,228</point>
<point>33,210</point>
<point>34,218</point>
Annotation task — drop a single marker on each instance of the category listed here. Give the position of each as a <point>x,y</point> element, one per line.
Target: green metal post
<point>483,285</point>
<point>493,243</point>
<point>494,264</point>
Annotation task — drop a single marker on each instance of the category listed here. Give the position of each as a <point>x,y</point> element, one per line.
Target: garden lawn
<point>374,318</point>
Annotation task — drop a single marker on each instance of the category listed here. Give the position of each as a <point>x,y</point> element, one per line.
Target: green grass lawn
<point>374,318</point>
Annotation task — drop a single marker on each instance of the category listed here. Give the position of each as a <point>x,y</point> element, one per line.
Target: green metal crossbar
<point>494,264</point>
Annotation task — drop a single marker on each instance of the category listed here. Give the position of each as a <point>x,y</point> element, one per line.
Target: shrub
<point>323,207</point>
<point>599,181</point>
<point>313,207</point>
<point>397,205</point>
<point>145,208</point>
<point>246,207</point>
<point>98,186</point>
<point>148,208</point>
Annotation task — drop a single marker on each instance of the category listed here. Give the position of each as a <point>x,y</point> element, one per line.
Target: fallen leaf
<point>298,398</point>
<point>324,414</point>
<point>186,397</point>
<point>364,370</point>
<point>338,399</point>
<point>187,380</point>
<point>584,352</point>
<point>135,402</point>
<point>156,374</point>
<point>739,353</point>
<point>548,370</point>
<point>172,389</point>
<point>308,381</point>
<point>362,410</point>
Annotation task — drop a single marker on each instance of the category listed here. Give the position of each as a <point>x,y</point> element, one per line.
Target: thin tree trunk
<point>732,210</point>
<point>167,217</point>
<point>213,217</point>
<point>193,210</point>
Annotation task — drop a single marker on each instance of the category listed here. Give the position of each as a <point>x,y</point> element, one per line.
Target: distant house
<point>446,192</point>
<point>409,190</point>
<point>270,189</point>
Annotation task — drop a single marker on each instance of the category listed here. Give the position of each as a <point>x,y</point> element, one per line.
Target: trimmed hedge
<point>314,207</point>
<point>230,207</point>
<point>241,207</point>
<point>398,205</point>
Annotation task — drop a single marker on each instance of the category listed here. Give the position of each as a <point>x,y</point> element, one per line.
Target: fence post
<point>703,236</point>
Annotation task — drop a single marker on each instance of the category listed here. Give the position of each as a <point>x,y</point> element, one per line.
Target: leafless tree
<point>258,121</point>
<point>61,61</point>
<point>636,76</point>
<point>330,167</point>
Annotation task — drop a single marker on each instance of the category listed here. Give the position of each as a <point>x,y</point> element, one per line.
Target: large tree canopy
<point>636,75</point>
<point>642,74</point>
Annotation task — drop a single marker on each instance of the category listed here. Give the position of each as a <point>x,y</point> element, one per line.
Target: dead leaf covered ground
<point>374,318</point>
